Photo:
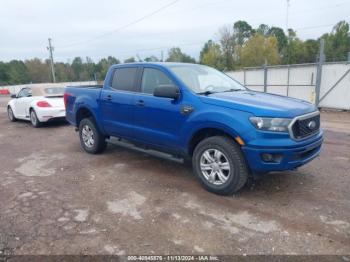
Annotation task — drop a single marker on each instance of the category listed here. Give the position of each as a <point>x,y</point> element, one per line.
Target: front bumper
<point>291,157</point>
<point>49,114</point>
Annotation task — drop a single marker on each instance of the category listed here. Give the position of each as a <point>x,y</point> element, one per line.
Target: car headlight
<point>271,124</point>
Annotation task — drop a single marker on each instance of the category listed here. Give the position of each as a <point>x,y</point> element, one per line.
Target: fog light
<point>266,157</point>
<point>271,158</point>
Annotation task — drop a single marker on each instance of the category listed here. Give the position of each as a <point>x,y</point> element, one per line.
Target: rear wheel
<point>10,114</point>
<point>91,139</point>
<point>34,119</point>
<point>219,165</point>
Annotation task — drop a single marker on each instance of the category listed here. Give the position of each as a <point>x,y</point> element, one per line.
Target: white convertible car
<point>37,104</point>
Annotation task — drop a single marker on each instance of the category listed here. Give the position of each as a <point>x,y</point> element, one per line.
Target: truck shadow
<point>180,175</point>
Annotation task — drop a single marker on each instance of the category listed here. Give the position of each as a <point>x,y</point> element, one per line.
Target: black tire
<point>99,143</point>
<point>238,172</point>
<point>34,119</point>
<point>11,115</point>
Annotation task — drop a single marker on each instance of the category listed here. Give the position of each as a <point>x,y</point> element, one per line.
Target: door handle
<point>109,97</point>
<point>140,103</point>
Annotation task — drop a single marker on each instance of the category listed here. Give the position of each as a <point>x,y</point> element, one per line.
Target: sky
<point>124,28</point>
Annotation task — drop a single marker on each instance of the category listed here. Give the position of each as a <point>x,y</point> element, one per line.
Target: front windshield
<point>203,79</point>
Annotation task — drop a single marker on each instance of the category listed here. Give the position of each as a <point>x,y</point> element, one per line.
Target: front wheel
<point>10,114</point>
<point>34,119</point>
<point>219,165</point>
<point>91,139</point>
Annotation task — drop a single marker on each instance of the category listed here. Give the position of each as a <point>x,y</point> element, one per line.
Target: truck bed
<point>88,94</point>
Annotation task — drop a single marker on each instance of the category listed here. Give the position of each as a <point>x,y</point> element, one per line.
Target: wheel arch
<point>12,105</point>
<point>83,112</point>
<point>206,132</point>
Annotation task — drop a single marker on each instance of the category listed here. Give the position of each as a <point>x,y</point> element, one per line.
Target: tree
<point>103,66</point>
<point>311,50</point>
<point>295,51</point>
<point>3,74</point>
<point>211,55</point>
<point>38,72</point>
<point>77,66</point>
<point>259,50</point>
<point>280,36</point>
<point>17,72</point>
<point>228,43</point>
<point>243,31</point>
<point>64,72</point>
<point>263,29</point>
<point>175,55</point>
<point>337,43</point>
<point>130,60</point>
<point>151,58</point>
<point>88,69</point>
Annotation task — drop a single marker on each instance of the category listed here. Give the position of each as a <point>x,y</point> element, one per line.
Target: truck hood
<point>260,104</point>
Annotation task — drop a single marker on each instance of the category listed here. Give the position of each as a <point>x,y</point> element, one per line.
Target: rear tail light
<point>43,104</point>
<point>65,98</point>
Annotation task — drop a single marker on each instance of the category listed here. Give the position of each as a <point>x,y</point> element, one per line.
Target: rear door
<point>158,120</point>
<point>117,102</point>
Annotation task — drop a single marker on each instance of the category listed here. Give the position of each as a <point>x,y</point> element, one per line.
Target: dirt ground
<point>56,199</point>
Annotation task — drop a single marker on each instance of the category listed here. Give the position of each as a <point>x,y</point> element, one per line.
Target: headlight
<point>271,124</point>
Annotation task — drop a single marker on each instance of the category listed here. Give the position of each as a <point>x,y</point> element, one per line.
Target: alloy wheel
<point>215,166</point>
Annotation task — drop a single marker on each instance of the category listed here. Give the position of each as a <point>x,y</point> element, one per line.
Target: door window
<point>25,92</point>
<point>125,79</point>
<point>152,78</point>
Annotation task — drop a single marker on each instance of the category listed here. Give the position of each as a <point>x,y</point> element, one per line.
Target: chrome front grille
<point>305,126</point>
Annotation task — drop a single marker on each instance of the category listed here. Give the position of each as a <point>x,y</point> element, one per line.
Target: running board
<point>152,152</point>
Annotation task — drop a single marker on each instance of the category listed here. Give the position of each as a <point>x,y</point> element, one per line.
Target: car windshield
<point>205,80</point>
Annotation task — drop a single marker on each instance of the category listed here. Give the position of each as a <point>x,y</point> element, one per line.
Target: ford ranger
<point>200,114</point>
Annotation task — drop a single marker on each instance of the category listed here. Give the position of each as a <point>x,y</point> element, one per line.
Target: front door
<point>22,103</point>
<point>157,120</point>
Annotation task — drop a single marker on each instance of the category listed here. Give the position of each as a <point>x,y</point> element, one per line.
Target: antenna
<point>287,16</point>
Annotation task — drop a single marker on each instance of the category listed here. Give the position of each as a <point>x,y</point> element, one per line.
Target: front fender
<point>11,103</point>
<point>233,122</point>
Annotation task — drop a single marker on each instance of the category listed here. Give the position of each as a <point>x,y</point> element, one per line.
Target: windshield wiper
<point>206,93</point>
<point>232,90</point>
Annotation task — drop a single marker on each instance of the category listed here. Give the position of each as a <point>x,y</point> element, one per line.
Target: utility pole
<point>287,32</point>
<point>50,48</point>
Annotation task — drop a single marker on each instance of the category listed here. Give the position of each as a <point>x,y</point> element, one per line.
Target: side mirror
<point>13,96</point>
<point>167,91</point>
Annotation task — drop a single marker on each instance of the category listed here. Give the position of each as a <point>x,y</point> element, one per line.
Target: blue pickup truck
<point>200,114</point>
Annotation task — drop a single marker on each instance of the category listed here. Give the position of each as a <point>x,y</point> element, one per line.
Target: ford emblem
<point>311,125</point>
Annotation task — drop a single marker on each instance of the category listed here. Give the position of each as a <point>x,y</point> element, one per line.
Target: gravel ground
<point>56,199</point>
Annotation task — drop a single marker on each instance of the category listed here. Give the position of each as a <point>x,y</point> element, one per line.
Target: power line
<point>124,26</point>
<point>138,51</point>
<point>312,27</point>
